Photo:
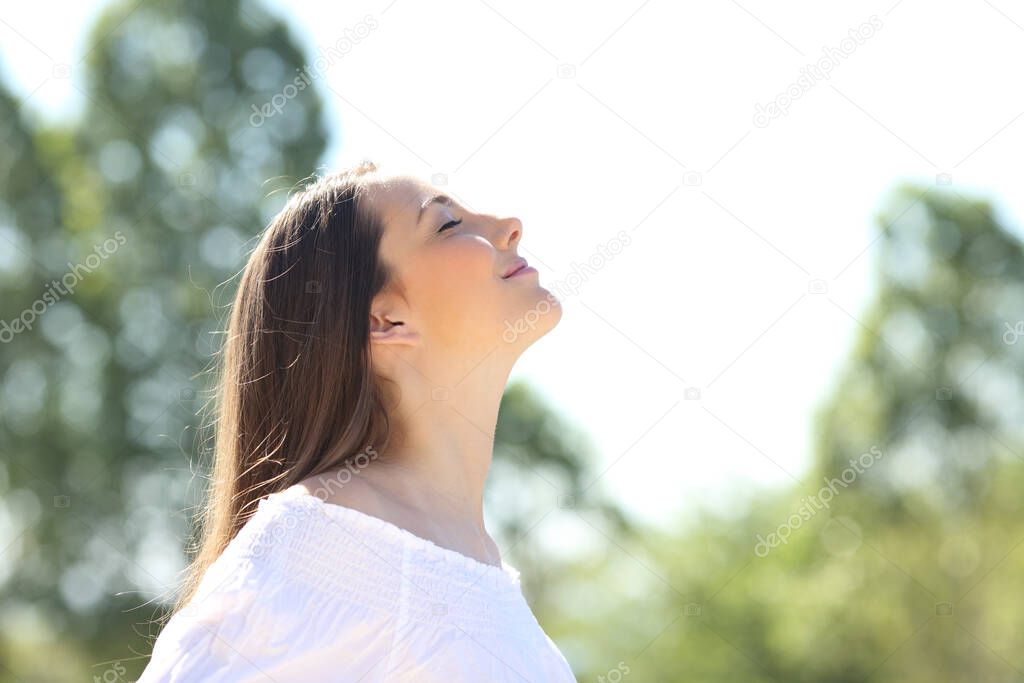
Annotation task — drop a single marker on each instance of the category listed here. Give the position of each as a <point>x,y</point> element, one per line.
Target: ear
<point>386,331</point>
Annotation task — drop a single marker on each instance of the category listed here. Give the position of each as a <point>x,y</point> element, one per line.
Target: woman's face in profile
<point>450,263</point>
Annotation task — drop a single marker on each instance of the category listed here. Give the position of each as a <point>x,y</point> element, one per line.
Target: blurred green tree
<point>143,213</point>
<point>137,214</point>
<point>899,557</point>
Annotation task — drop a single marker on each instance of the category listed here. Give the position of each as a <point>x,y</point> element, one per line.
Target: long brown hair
<point>296,393</point>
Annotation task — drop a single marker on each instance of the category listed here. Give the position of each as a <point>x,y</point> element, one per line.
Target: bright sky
<point>749,250</point>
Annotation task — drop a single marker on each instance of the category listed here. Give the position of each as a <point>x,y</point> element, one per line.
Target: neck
<point>444,443</point>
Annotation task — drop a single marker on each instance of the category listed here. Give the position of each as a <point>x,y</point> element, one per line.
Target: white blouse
<point>312,591</point>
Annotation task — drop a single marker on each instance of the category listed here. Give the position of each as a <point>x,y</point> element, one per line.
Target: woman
<point>374,329</point>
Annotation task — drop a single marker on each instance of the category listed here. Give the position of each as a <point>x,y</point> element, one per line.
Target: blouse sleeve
<point>250,622</point>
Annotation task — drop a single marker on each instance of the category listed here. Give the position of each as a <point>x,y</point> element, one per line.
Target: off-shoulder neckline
<point>505,572</point>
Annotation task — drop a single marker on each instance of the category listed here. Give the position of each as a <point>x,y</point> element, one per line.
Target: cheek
<point>458,282</point>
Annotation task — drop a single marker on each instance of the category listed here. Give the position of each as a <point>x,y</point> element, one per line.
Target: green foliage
<point>909,570</point>
<point>151,201</point>
<point>147,208</point>
<point>139,212</point>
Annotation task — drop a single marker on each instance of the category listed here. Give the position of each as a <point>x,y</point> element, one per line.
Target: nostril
<point>516,229</point>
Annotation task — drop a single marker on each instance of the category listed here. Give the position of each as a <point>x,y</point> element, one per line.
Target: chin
<point>534,321</point>
<point>554,308</point>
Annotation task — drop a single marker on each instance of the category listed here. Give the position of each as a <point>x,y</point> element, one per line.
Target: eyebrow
<point>436,199</point>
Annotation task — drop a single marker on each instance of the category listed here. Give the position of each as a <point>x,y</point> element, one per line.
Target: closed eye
<point>449,224</point>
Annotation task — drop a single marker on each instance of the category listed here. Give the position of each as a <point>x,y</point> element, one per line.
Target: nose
<point>510,232</point>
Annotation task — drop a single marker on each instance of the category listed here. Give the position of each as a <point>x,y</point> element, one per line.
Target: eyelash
<point>451,223</point>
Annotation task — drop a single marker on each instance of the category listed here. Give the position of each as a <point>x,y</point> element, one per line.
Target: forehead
<point>397,199</point>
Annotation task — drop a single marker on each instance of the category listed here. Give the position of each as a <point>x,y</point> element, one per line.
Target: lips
<point>516,266</point>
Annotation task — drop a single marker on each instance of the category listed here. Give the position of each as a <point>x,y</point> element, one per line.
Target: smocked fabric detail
<point>311,591</point>
<point>345,554</point>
